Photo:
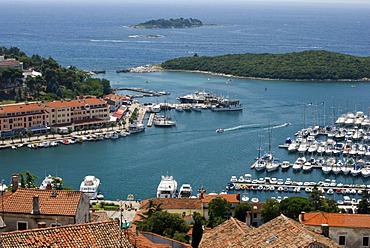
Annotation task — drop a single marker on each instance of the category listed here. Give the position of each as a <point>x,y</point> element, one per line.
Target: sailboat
<point>164,120</point>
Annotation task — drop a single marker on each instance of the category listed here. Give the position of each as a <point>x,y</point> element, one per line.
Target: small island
<point>171,23</point>
<point>306,65</point>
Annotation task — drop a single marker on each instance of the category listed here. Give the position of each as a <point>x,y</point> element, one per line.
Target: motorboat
<point>179,108</point>
<point>245,198</point>
<point>90,186</point>
<point>228,105</point>
<point>199,97</point>
<point>54,182</point>
<point>136,128</point>
<point>285,165</point>
<point>185,191</point>
<point>163,121</point>
<point>167,187</point>
<point>220,130</point>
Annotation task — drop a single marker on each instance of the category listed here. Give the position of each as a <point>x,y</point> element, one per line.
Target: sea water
<point>98,37</point>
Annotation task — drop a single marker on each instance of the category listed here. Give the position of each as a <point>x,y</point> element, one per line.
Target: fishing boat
<point>90,186</point>
<point>167,187</point>
<point>185,191</point>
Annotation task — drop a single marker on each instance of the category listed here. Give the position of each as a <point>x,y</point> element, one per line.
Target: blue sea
<point>98,36</point>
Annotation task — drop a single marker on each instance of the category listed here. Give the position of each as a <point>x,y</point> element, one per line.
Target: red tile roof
<point>9,62</point>
<point>336,219</point>
<point>21,107</point>
<point>75,103</point>
<point>279,232</point>
<point>92,235</point>
<point>174,203</point>
<point>66,202</point>
<point>232,198</point>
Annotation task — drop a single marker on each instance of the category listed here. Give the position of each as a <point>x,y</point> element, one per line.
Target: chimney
<point>41,224</point>
<point>36,205</point>
<point>48,186</point>
<point>325,230</point>
<point>14,182</point>
<point>301,217</point>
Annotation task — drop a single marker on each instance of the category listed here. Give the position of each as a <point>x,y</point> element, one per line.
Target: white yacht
<point>136,128</point>
<point>185,191</point>
<point>167,188</point>
<point>55,182</point>
<point>90,186</point>
<point>163,121</point>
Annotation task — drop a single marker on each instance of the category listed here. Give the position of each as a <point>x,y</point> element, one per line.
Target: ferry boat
<point>167,188</point>
<point>90,186</point>
<point>185,191</point>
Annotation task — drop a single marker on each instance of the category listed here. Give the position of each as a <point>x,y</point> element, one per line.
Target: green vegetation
<point>306,65</point>
<point>240,211</point>
<point>197,230</point>
<point>56,82</point>
<point>171,23</point>
<point>163,223</point>
<point>218,211</point>
<point>105,206</point>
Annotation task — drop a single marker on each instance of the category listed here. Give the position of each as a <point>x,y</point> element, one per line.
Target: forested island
<point>306,65</point>
<point>56,82</point>
<point>171,23</point>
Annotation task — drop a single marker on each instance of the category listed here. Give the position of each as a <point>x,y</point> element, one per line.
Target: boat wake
<point>255,126</point>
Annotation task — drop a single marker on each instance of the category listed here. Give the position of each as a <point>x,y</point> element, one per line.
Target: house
<point>29,208</point>
<point>347,230</point>
<point>77,113</point>
<point>11,62</point>
<point>96,234</point>
<point>279,232</point>
<point>180,206</point>
<point>16,118</point>
<point>233,199</point>
<point>254,217</point>
<point>116,101</point>
<point>31,73</point>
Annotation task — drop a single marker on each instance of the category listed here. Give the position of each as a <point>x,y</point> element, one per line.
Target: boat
<point>54,182</point>
<point>220,130</point>
<point>167,188</point>
<point>228,105</point>
<point>163,121</point>
<point>100,196</point>
<point>245,198</point>
<point>185,191</point>
<point>90,186</point>
<point>136,128</point>
<point>196,108</point>
<point>154,109</point>
<point>199,97</point>
<point>179,108</point>
<point>14,147</point>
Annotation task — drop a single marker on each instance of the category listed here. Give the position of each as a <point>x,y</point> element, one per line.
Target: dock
<point>150,120</point>
<point>144,91</point>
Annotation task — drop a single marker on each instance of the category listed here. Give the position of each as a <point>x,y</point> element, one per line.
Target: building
<point>347,230</point>
<point>78,113</point>
<point>233,199</point>
<point>24,209</point>
<point>254,217</point>
<point>116,101</point>
<point>16,118</point>
<point>31,74</point>
<point>97,235</point>
<point>279,232</point>
<point>10,63</point>
<point>180,206</point>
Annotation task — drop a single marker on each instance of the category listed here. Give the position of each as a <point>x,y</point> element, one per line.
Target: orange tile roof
<point>141,240</point>
<point>279,232</point>
<point>9,62</point>
<point>174,203</point>
<point>93,235</point>
<point>232,198</point>
<point>75,103</point>
<point>336,219</point>
<point>113,97</point>
<point>65,202</point>
<point>220,236</point>
<point>20,107</point>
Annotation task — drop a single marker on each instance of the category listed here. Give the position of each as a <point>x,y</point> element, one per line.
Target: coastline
<point>158,68</point>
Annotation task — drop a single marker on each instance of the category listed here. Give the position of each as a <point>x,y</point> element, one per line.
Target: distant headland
<point>170,23</point>
<point>309,65</point>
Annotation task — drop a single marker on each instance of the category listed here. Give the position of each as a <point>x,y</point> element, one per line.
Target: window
<point>55,224</point>
<point>255,215</point>
<point>365,241</point>
<point>342,240</point>
<point>22,225</point>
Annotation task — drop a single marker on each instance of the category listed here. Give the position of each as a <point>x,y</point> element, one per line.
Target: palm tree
<point>29,134</point>
<point>52,132</point>
<point>20,136</point>
<point>112,124</point>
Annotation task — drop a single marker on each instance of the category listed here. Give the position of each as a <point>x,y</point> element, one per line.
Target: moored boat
<point>90,186</point>
<point>185,191</point>
<point>167,187</point>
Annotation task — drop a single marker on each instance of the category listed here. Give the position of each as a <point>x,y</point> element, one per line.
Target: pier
<point>144,91</point>
<point>150,120</point>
